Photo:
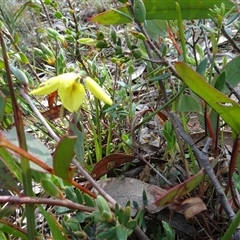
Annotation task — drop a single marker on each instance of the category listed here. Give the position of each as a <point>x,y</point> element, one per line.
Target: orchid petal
<point>97,91</point>
<point>52,84</point>
<point>72,95</point>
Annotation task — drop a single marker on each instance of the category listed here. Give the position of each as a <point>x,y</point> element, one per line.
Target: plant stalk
<point>25,167</point>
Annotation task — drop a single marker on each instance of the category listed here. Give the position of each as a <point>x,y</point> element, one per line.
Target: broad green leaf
<point>13,231</point>
<point>79,147</point>
<point>35,148</point>
<point>56,229</point>
<point>7,178</point>
<point>156,28</point>
<point>10,161</point>
<point>63,156</point>
<point>162,9</point>
<point>181,189</point>
<point>187,103</point>
<point>109,233</point>
<point>121,232</point>
<point>232,72</point>
<point>220,81</point>
<point>2,236</point>
<point>223,105</point>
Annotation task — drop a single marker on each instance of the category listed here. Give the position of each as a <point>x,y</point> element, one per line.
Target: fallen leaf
<point>125,189</point>
<point>109,162</point>
<point>192,206</point>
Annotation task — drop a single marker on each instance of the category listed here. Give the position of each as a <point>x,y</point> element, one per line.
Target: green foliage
<point>170,138</point>
<point>151,9</point>
<point>223,105</point>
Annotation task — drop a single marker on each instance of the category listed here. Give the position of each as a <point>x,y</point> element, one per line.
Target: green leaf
<point>79,196</point>
<point>223,105</point>
<point>162,9</point>
<point>220,81</point>
<point>20,75</point>
<point>35,148</point>
<point>121,233</point>
<point>88,200</point>
<point>55,227</point>
<point>168,231</point>
<point>70,194</point>
<point>10,161</point>
<point>108,234</point>
<point>7,178</point>
<point>2,105</point>
<point>80,216</point>
<point>181,189</point>
<point>63,156</point>
<point>79,146</point>
<point>13,231</point>
<point>88,41</point>
<point>132,224</point>
<point>232,71</point>
<point>187,103</point>
<point>156,28</point>
<point>51,188</point>
<point>2,236</point>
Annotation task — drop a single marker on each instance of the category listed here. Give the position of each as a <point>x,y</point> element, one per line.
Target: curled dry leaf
<point>109,162</point>
<point>192,206</point>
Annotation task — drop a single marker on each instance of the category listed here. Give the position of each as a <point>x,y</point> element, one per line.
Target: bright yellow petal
<point>68,78</point>
<point>52,84</point>
<point>72,95</point>
<point>97,91</point>
<point>47,87</point>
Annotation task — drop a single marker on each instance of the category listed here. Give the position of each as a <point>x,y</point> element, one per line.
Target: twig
<point>39,115</point>
<point>230,40</point>
<point>47,201</point>
<point>46,12</point>
<point>204,161</point>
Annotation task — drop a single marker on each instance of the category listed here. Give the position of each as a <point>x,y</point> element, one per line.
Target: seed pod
<point>137,53</point>
<point>101,44</point>
<point>139,11</point>
<point>47,50</point>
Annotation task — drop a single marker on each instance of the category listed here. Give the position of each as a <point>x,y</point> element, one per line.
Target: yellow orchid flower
<point>70,91</point>
<point>97,91</point>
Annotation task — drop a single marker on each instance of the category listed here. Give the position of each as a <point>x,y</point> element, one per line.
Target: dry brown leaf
<point>192,206</point>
